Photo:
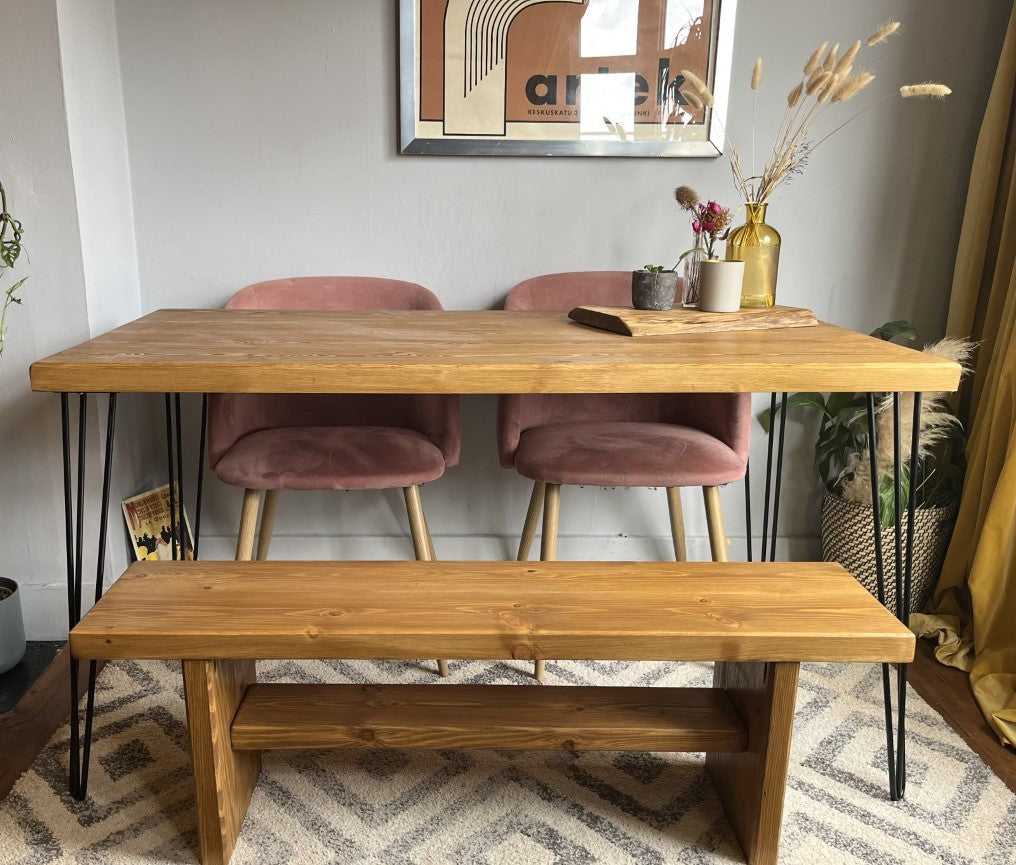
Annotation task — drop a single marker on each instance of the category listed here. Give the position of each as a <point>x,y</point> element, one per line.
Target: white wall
<point>262,142</point>
<point>35,166</point>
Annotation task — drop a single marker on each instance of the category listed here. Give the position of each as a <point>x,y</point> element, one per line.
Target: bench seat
<point>687,611</point>
<point>756,621</point>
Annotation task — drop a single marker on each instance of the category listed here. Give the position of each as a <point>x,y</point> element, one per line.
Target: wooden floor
<point>947,690</point>
<point>25,730</point>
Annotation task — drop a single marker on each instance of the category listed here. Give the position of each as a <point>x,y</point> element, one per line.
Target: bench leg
<point>224,779</point>
<point>751,784</point>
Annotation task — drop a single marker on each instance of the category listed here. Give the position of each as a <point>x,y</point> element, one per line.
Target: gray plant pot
<point>12,625</point>
<point>653,290</point>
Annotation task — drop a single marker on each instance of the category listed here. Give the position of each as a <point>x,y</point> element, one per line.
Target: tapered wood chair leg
<point>423,545</point>
<point>532,516</point>
<point>248,524</point>
<point>714,521</point>
<point>548,546</point>
<point>677,523</point>
<point>267,523</point>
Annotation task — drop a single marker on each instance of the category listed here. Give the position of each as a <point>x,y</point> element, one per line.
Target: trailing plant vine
<point>10,252</point>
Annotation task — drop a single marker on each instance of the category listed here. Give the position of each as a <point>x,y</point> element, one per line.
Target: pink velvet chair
<point>275,442</point>
<point>670,440</point>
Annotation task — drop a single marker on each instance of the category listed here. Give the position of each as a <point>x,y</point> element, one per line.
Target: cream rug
<point>510,808</point>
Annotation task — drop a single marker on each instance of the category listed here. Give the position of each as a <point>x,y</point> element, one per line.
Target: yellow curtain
<point>974,610</point>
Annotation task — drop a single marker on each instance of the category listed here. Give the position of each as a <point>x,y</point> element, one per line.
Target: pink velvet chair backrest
<point>725,416</point>
<point>232,416</point>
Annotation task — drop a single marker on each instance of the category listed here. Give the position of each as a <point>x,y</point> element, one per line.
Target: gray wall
<point>262,143</point>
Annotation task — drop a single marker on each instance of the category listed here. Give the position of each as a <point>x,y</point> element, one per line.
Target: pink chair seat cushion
<point>626,454</point>
<point>331,458</point>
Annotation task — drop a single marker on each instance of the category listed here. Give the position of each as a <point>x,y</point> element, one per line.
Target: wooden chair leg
<point>224,779</point>
<point>429,536</point>
<point>248,523</point>
<point>423,545</point>
<point>548,545</point>
<point>751,784</point>
<point>714,520</point>
<point>267,523</point>
<point>677,523</point>
<point>532,515</point>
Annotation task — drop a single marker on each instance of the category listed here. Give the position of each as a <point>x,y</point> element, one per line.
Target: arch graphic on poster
<point>475,63</point>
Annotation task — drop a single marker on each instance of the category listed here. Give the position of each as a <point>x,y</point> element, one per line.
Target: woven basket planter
<point>848,538</point>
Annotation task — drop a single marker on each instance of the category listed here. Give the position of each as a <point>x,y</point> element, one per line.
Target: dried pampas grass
<point>883,33</point>
<point>828,79</point>
<point>815,61</point>
<point>699,86</point>
<point>928,90</point>
<point>937,425</point>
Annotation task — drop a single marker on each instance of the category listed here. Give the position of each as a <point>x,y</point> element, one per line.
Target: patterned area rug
<point>510,808</point>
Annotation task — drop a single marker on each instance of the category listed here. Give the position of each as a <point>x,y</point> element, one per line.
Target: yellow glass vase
<point>757,244</point>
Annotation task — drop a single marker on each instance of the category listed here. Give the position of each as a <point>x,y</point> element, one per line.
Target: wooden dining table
<point>465,352</point>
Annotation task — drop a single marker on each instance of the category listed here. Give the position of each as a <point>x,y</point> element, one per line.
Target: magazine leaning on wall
<point>148,523</point>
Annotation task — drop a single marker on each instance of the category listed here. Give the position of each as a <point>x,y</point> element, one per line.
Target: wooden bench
<point>756,621</point>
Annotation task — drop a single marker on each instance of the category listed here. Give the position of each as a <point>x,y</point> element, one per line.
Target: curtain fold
<point>973,614</point>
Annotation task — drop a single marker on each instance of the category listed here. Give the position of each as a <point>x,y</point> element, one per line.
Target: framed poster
<point>563,77</point>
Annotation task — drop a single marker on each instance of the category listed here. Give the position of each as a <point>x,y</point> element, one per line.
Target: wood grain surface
<point>523,610</point>
<point>650,322</point>
<point>751,785</point>
<point>488,716</point>
<point>224,779</point>
<point>274,351</point>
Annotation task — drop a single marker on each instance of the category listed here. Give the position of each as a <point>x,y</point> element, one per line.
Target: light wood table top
<point>273,351</point>
<point>794,611</point>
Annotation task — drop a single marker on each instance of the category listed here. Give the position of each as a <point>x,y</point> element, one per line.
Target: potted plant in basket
<point>843,464</point>
<point>12,629</point>
<point>714,285</point>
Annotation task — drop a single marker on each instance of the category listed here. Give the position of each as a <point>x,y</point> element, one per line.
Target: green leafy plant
<point>657,268</point>
<point>841,447</point>
<point>10,252</point>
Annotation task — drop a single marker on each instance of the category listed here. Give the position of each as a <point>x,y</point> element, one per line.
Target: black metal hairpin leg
<point>170,473</point>
<point>74,537</point>
<point>903,560</point>
<point>747,507</point>
<point>771,501</point>
<point>201,472</point>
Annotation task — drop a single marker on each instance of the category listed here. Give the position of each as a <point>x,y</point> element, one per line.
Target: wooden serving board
<point>648,322</point>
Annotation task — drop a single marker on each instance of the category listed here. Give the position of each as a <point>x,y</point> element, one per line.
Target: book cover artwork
<point>148,524</point>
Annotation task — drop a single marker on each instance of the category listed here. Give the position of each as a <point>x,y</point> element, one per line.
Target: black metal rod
<point>915,451</point>
<point>79,535</point>
<point>179,481</point>
<point>779,478</point>
<point>908,575</point>
<point>747,507</point>
<point>65,427</point>
<point>876,518</point>
<point>898,507</point>
<point>769,477</point>
<point>100,577</point>
<point>201,472</point>
<point>170,472</point>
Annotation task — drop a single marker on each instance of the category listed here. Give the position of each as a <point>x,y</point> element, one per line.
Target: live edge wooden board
<point>258,351</point>
<point>757,622</point>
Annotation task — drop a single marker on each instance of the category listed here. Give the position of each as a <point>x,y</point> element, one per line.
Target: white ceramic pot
<point>720,285</point>
<point>12,625</point>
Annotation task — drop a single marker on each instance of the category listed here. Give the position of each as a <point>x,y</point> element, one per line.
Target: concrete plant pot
<point>651,290</point>
<point>12,625</point>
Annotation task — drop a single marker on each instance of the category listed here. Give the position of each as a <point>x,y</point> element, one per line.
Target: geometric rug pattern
<point>510,807</point>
